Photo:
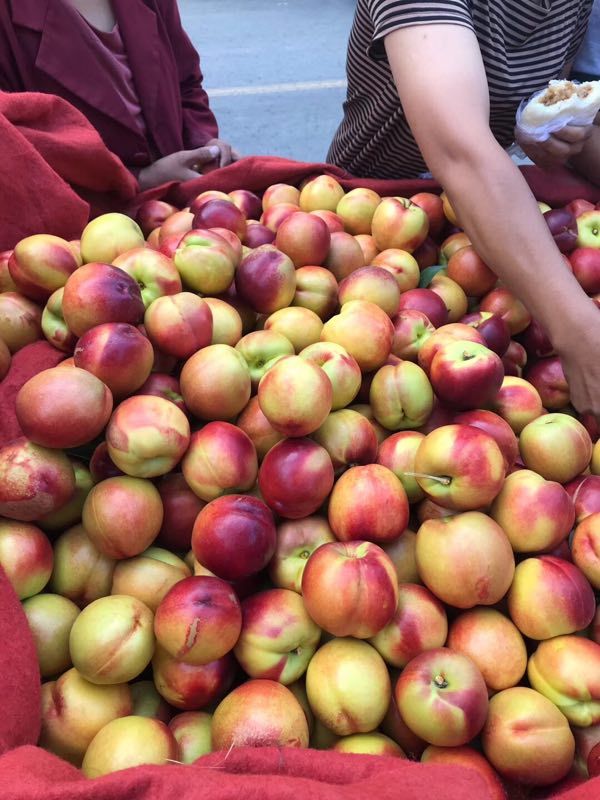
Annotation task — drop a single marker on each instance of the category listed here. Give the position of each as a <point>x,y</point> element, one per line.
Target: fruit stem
<point>443,479</point>
<point>440,682</point>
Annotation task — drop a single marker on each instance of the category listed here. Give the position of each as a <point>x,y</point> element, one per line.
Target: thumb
<point>203,155</point>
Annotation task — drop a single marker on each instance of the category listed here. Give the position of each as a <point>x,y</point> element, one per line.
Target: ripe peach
<point>526,738</point>
<point>402,553</point>
<point>322,193</point>
<point>226,322</point>
<point>192,729</point>
<point>34,481</point>
<point>536,515</point>
<point>199,620</point>
<point>25,556</point>
<point>74,710</point>
<point>20,321</point>
<point>375,744</point>
<point>402,265</point>
<point>348,686</point>
<point>278,638</point>
<point>350,327</point>
<point>460,467</point>
<point>40,264</point>
<point>401,396</point>
<point>301,326</point>
<point>316,289</point>
<point>493,643</point>
<point>111,641</point>
<point>215,383</point>
<point>221,459</point>
<point>259,713</point>
<point>296,541</point>
<point>517,402</point>
<point>109,235</point>
<point>257,427</point>
<point>63,408</point>
<point>373,284</point>
<point>129,742</point>
<point>368,503</point>
<point>349,439</point>
<point>123,515</point>
<point>149,576</point>
<point>234,536</point>
<point>350,589</point>
<point>467,757</point>
<point>419,624</point>
<point>147,436</point>
<point>50,618</point>
<point>481,555</point>
<point>550,597</point>
<point>191,687</point>
<point>586,546</point>
<point>442,697</point>
<point>81,572</point>
<point>550,434</point>
<point>552,669</point>
<point>148,703</point>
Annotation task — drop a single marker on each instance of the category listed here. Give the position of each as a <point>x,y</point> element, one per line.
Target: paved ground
<point>274,70</point>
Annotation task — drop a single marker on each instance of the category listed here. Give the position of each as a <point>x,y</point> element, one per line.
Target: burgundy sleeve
<point>11,79</point>
<point>199,123</point>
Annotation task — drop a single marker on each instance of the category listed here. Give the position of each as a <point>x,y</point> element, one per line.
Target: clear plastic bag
<point>577,114</point>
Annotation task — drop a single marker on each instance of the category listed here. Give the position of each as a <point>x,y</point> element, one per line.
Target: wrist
<point>571,326</point>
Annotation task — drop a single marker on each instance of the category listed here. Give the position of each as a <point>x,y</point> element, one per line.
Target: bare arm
<point>442,84</point>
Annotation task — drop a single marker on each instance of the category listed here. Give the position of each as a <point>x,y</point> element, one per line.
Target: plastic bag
<point>572,110</point>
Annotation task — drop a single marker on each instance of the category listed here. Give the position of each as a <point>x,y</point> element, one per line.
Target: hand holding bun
<point>562,103</point>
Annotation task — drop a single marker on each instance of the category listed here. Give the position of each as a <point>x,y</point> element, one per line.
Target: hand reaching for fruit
<point>581,365</point>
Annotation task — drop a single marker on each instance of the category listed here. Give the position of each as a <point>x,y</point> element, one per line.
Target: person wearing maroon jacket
<point>129,67</point>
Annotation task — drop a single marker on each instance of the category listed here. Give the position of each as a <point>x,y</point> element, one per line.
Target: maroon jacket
<point>42,50</point>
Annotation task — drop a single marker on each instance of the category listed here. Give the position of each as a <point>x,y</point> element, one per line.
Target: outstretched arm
<point>442,85</point>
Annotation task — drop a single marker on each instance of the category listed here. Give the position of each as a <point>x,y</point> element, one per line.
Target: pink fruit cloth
<point>54,165</point>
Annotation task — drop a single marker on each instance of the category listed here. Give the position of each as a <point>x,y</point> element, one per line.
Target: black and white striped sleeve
<point>390,15</point>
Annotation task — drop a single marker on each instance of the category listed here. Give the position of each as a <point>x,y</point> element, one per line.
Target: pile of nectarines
<point>308,476</point>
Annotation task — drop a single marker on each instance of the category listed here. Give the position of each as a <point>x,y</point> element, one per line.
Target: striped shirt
<point>524,44</point>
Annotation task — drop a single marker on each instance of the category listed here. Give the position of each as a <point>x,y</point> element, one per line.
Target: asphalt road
<point>274,70</point>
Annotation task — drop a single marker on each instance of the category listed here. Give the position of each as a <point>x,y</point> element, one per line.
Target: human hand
<point>578,353</point>
<point>181,166</point>
<point>559,149</point>
<point>227,154</point>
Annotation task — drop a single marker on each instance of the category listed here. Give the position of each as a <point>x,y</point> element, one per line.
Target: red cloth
<point>266,774</point>
<point>48,148</point>
<point>20,717</point>
<point>24,364</point>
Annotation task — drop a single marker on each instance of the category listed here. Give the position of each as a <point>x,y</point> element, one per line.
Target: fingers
<point>226,154</point>
<point>235,156</point>
<point>188,175</point>
<point>202,155</point>
<point>574,134</point>
<point>226,157</point>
